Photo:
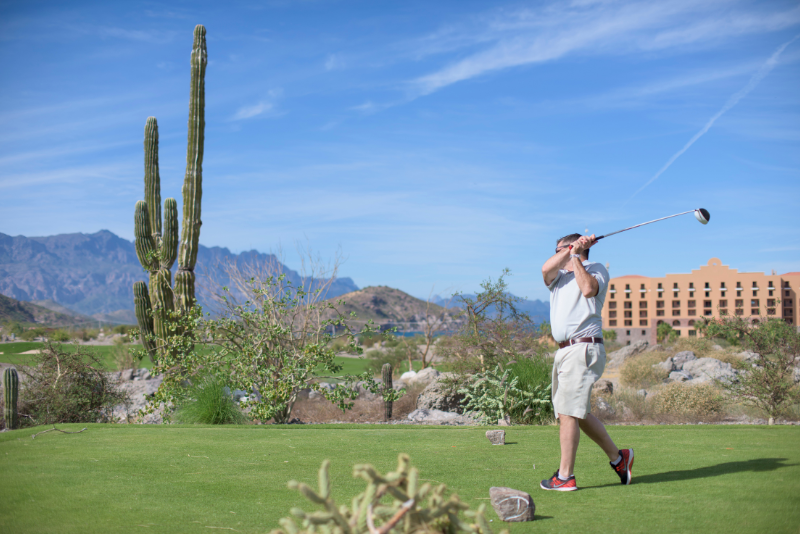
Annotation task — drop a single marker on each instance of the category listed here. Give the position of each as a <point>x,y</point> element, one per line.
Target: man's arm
<point>554,264</point>
<point>586,282</point>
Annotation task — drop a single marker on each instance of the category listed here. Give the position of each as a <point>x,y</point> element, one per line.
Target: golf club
<point>700,214</point>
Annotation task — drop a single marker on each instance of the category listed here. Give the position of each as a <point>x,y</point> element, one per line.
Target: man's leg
<point>593,428</point>
<point>569,434</point>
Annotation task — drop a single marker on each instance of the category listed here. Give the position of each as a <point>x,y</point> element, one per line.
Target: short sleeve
<point>601,275</point>
<point>554,283</point>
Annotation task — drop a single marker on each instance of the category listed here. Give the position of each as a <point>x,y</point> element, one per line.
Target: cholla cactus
<point>414,508</point>
<point>157,251</point>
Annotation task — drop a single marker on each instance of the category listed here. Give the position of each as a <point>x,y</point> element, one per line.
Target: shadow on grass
<point>759,465</point>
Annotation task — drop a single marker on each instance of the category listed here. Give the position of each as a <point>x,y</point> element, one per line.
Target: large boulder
<point>439,417</point>
<point>438,396</point>
<point>667,365</point>
<point>680,359</point>
<point>424,377</point>
<point>679,376</point>
<point>704,370</point>
<point>616,359</point>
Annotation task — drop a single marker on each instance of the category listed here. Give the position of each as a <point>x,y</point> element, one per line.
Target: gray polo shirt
<point>571,314</point>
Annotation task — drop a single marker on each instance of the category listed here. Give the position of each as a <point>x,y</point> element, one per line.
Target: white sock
<point>562,478</point>
<point>617,461</point>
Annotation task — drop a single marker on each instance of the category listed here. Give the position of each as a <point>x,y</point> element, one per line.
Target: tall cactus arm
<point>144,317</point>
<point>184,289</point>
<point>193,180</point>
<point>143,237</point>
<point>11,395</point>
<point>169,243</point>
<point>152,180</point>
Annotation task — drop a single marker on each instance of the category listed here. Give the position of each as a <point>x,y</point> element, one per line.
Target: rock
<point>604,407</point>
<point>667,365</point>
<point>717,347</point>
<point>642,393</point>
<point>656,348</point>
<point>681,358</point>
<point>706,370</point>
<point>512,505</point>
<point>749,357</point>
<point>604,386</point>
<point>679,376</point>
<point>364,393</point>
<point>496,437</point>
<point>438,417</point>
<point>616,359</point>
<point>408,375</point>
<point>438,396</point>
<point>126,374</point>
<point>425,376</point>
<point>505,421</point>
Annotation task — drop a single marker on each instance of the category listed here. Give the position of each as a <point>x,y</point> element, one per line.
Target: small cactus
<point>11,395</point>
<point>415,508</point>
<point>386,374</point>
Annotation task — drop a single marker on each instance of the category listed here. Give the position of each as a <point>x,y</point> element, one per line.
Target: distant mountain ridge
<point>537,310</point>
<point>94,273</point>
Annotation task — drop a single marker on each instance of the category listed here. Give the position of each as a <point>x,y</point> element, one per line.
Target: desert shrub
<point>701,346</point>
<point>59,336</point>
<point>210,403</point>
<point>377,358</point>
<point>493,395</point>
<point>678,399</point>
<point>629,404</point>
<point>534,377</point>
<point>68,386</point>
<point>123,329</point>
<point>609,335</point>
<point>124,358</point>
<point>86,334</point>
<point>33,333</point>
<point>639,372</point>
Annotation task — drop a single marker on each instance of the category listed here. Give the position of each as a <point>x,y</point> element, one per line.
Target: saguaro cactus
<point>11,395</point>
<point>386,374</point>
<point>156,251</point>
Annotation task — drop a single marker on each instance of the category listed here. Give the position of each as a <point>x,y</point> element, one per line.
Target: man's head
<point>568,240</point>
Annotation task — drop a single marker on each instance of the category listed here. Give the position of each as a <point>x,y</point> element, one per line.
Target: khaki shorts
<point>575,369</point>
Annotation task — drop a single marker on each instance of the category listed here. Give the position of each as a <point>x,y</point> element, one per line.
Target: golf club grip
<point>596,239</point>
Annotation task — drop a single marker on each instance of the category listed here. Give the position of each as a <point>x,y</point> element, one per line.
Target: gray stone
<point>717,347</point>
<point>749,357</point>
<point>505,421</point>
<point>497,437</point>
<point>438,417</point>
<point>126,374</point>
<point>680,359</point>
<point>425,376</point>
<point>604,407</point>
<point>616,359</point>
<point>667,365</point>
<point>438,396</point>
<point>656,348</point>
<point>604,386</point>
<point>642,393</point>
<point>512,505</point>
<point>706,370</point>
<point>679,376</point>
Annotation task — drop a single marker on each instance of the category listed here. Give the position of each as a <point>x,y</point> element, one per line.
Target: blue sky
<point>434,143</point>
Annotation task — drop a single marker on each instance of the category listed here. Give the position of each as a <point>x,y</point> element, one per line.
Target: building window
<point>627,287</point>
<point>691,303</point>
<point>739,311</point>
<point>723,311</point>
<point>786,284</point>
<point>643,313</point>
<point>754,321</point>
<point>754,311</point>
<point>739,303</point>
<point>707,286</point>
<point>691,285</point>
<point>628,323</point>
<point>612,314</point>
<point>708,293</point>
<point>707,312</point>
<point>787,302</point>
<point>754,303</point>
<point>755,293</point>
<point>643,322</point>
<point>674,294</point>
<point>722,294</point>
<point>770,292</point>
<point>659,304</point>
<point>628,305</point>
<point>787,292</point>
<point>723,304</point>
<point>627,332</point>
<point>706,303</point>
<point>676,313</point>
<point>691,322</point>
<point>788,320</point>
<point>738,286</point>
<point>693,332</point>
<point>676,323</point>
<point>659,313</point>
<point>676,304</point>
<point>692,312</point>
<point>643,304</point>
<point>722,285</point>
<point>771,303</point>
<point>627,295</point>
<point>787,312</point>
<point>628,314</point>
<point>675,285</point>
<point>612,305</point>
<point>769,285</point>
<point>738,293</point>
<point>612,323</point>
<point>659,322</point>
<point>770,311</point>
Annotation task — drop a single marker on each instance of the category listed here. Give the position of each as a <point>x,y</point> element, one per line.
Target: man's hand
<point>582,244</point>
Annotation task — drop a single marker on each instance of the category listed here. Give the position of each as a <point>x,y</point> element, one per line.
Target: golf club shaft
<point>596,239</point>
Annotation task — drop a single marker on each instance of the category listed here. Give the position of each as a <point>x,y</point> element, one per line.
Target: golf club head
<point>702,215</point>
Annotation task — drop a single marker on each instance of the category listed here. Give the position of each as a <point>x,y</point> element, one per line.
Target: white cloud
<point>248,112</point>
<point>533,36</point>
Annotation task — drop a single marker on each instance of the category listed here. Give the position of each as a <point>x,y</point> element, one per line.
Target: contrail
<point>732,101</point>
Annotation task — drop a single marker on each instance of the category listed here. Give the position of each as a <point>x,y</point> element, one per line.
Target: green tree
<point>769,385</point>
<point>665,332</point>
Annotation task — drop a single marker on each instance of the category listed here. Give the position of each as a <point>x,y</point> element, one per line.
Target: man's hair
<point>569,239</point>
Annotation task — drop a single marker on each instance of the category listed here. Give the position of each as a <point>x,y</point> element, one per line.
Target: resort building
<point>636,305</point>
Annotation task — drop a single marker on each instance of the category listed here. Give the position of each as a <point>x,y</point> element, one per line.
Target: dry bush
<point>638,372</point>
<point>702,401</point>
<point>732,357</point>
<point>701,346</point>
<point>364,411</point>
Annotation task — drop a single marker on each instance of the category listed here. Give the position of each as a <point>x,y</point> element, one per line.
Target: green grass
<point>169,479</point>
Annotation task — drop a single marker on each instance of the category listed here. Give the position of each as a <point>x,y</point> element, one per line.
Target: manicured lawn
<point>118,478</point>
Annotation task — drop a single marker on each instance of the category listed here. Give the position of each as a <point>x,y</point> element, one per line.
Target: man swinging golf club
<point>577,293</point>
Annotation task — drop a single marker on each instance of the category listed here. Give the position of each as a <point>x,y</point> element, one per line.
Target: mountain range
<point>93,274</point>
